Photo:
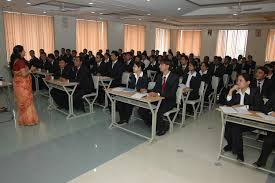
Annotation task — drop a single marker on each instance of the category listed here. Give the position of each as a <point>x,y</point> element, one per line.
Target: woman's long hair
<point>16,54</point>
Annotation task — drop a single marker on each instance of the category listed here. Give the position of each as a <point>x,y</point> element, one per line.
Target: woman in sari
<point>22,85</point>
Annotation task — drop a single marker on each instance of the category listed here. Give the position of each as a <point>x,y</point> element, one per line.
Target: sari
<point>22,86</point>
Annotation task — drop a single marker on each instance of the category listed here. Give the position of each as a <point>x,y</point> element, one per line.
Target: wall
<point>115,35</point>
<point>3,53</point>
<point>65,32</point>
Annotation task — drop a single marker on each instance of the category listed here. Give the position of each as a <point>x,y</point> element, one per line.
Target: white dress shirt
<point>137,77</point>
<point>114,63</point>
<point>190,77</point>
<point>260,84</point>
<point>247,91</point>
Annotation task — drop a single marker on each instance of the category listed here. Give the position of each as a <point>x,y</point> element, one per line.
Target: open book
<point>139,95</point>
<point>235,110</point>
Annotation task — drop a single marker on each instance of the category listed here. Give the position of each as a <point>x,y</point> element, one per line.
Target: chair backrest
<point>151,74</point>
<point>234,76</point>
<point>225,80</point>
<point>180,80</point>
<point>202,89</point>
<point>125,78</point>
<point>215,82</point>
<point>96,82</point>
<point>179,94</point>
<point>151,85</point>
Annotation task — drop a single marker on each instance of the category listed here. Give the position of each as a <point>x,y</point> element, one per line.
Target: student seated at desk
<point>166,86</point>
<point>261,82</point>
<point>100,67</point>
<point>206,78</point>
<point>138,81</point>
<point>241,94</point>
<point>269,140</point>
<point>192,80</point>
<point>63,73</point>
<point>129,63</point>
<point>115,70</point>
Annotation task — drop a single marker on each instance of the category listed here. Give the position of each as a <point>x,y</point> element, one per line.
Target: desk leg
<point>154,120</point>
<point>36,84</point>
<point>71,102</point>
<point>113,112</point>
<point>222,135</point>
<point>51,106</point>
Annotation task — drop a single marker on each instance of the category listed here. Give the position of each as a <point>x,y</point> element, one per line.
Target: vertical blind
<point>33,32</point>
<point>162,42</point>
<point>270,47</point>
<point>189,41</point>
<point>231,43</point>
<point>91,35</point>
<point>134,37</point>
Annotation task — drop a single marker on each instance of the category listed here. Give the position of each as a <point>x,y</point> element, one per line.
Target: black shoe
<point>227,148</point>
<point>161,132</point>
<point>259,164</point>
<point>240,157</point>
<point>121,122</point>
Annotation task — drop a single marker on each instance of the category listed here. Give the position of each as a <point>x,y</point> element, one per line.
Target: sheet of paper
<point>139,95</point>
<point>118,89</point>
<point>129,90</point>
<point>266,117</point>
<point>228,110</point>
<point>242,110</point>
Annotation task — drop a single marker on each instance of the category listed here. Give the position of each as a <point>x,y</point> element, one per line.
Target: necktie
<point>259,86</point>
<point>163,84</point>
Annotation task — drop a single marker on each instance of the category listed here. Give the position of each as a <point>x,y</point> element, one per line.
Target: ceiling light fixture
<point>28,3</point>
<point>235,14</point>
<point>8,0</point>
<point>139,19</point>
<point>101,13</point>
<point>148,14</point>
<point>179,9</point>
<point>44,12</point>
<point>148,0</point>
<point>91,3</point>
<point>164,19</point>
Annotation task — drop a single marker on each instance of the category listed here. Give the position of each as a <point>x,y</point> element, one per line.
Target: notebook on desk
<point>235,110</point>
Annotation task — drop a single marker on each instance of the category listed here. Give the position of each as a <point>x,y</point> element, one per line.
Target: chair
<point>198,101</point>
<point>212,98</point>
<point>151,74</point>
<point>93,95</point>
<point>175,110</point>
<point>125,79</point>
<point>151,85</point>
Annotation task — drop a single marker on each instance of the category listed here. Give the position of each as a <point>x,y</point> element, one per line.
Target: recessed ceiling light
<point>93,12</point>
<point>28,2</point>
<point>148,14</point>
<point>235,14</point>
<point>44,12</point>
<point>164,19</point>
<point>101,13</point>
<point>179,9</point>
<point>139,19</point>
<point>148,0</point>
<point>91,3</point>
<point>8,0</point>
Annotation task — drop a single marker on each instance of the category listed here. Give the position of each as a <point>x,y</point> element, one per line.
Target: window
<point>31,31</point>
<point>134,37</point>
<point>91,35</point>
<point>162,42</point>
<point>270,47</point>
<point>189,41</point>
<point>231,43</point>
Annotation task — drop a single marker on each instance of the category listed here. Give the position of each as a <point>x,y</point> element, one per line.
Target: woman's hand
<point>33,68</point>
<point>152,94</point>
<point>235,87</point>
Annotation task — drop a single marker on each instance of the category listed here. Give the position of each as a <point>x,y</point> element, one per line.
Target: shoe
<point>227,148</point>
<point>121,122</point>
<point>259,164</point>
<point>161,132</point>
<point>240,157</point>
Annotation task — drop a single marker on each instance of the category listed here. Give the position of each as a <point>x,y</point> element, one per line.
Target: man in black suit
<point>228,69</point>
<point>270,75</point>
<point>129,63</point>
<point>86,84</point>
<point>183,68</point>
<point>251,64</point>
<point>261,82</point>
<point>115,70</point>
<point>216,68</point>
<point>56,56</point>
<point>236,67</point>
<point>34,61</point>
<point>63,73</point>
<point>138,81</point>
<point>100,67</point>
<point>68,57</point>
<point>63,54</point>
<point>51,64</point>
<point>166,86</point>
<point>269,140</point>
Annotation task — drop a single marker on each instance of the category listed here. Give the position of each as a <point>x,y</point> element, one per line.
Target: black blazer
<point>101,69</point>
<point>51,67</point>
<point>195,84</point>
<point>208,80</point>
<point>36,63</point>
<point>115,73</point>
<point>170,91</point>
<point>266,88</point>
<point>219,72</point>
<point>153,67</point>
<point>129,67</point>
<point>66,73</point>
<point>228,69</point>
<point>254,100</point>
<point>83,77</point>
<point>142,82</point>
<point>270,105</point>
<point>237,68</point>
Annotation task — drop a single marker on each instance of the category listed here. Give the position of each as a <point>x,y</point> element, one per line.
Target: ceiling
<point>169,12</point>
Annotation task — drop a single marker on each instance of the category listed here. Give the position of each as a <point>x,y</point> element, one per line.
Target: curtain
<point>231,43</point>
<point>91,35</point>
<point>134,37</point>
<point>270,47</point>
<point>162,42</point>
<point>189,41</point>
<point>31,31</point>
